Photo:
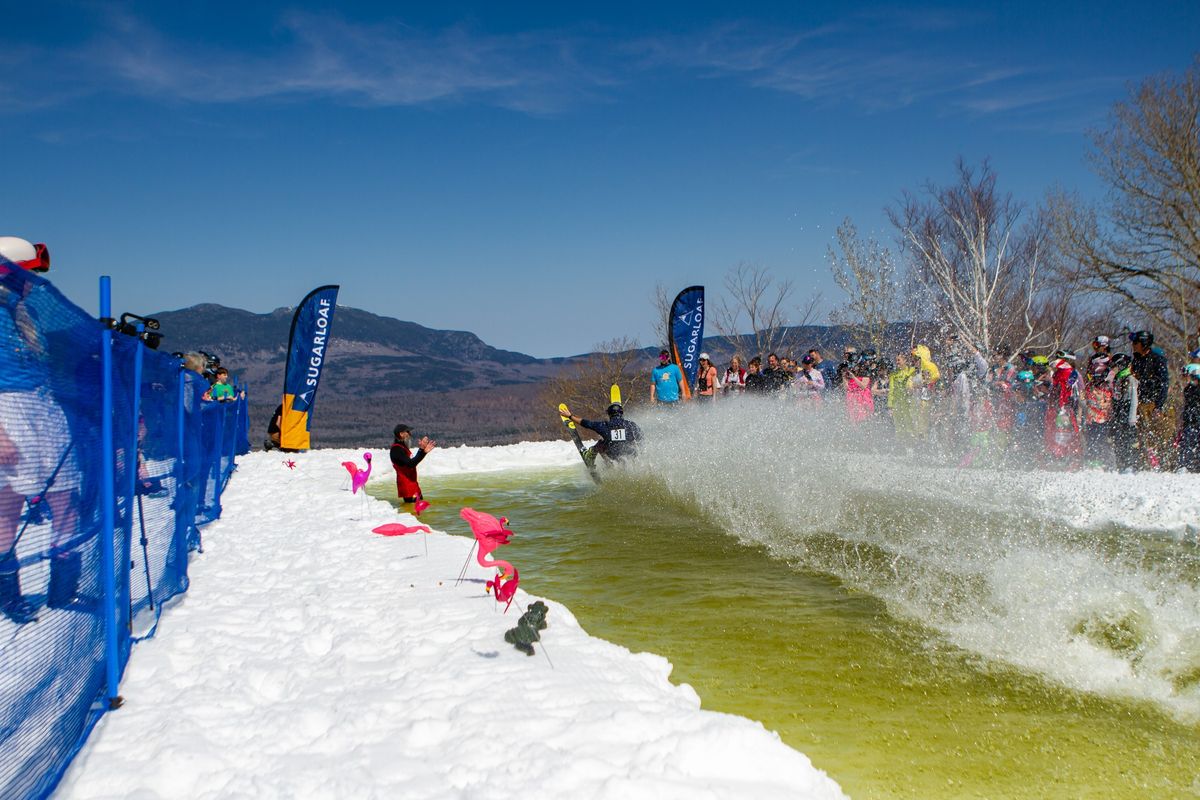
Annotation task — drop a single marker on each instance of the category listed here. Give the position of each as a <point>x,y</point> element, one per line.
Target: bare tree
<point>753,316</point>
<point>1143,246</point>
<point>978,257</point>
<point>866,272</point>
<point>663,299</point>
<point>585,384</point>
<point>916,308</point>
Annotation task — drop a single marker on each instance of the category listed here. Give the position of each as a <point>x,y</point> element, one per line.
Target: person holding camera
<point>809,382</point>
<point>849,359</point>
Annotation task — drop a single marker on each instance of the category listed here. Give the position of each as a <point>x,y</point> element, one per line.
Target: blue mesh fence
<point>172,453</point>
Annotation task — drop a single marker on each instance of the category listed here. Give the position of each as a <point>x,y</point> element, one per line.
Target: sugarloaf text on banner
<point>687,334</point>
<point>307,352</point>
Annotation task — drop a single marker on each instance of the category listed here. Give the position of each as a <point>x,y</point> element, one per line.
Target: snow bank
<point>1146,501</point>
<point>312,658</point>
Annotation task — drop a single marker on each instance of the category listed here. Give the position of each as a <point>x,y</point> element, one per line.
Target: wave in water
<point>1091,580</point>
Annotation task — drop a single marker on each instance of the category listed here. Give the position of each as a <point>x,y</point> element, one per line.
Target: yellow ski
<point>589,458</point>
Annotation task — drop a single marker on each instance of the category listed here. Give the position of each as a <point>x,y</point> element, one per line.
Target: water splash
<point>1090,580</point>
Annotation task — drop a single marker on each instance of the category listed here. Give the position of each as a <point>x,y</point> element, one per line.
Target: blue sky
<point>528,172</point>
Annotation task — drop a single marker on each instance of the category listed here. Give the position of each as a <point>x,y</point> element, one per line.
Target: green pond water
<point>882,704</point>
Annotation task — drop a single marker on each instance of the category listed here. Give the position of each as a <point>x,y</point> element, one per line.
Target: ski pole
<point>42,497</point>
<point>145,552</point>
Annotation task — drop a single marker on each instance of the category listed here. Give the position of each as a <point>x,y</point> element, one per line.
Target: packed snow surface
<point>313,658</point>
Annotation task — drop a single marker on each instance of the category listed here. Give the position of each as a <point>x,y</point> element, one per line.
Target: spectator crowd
<point>1063,410</point>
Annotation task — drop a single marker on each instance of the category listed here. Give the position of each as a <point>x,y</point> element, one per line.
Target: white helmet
<point>24,254</point>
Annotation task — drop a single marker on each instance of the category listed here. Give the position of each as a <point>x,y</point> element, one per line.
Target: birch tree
<point>978,252</point>
<point>753,314</point>
<point>867,273</point>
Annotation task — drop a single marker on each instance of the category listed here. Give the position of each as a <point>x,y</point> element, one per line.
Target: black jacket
<point>621,435</point>
<point>403,457</point>
<point>1190,418</point>
<point>1153,378</point>
<point>756,382</point>
<point>776,379</point>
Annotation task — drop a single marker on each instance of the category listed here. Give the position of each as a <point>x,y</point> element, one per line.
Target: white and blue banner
<point>687,334</point>
<point>311,327</point>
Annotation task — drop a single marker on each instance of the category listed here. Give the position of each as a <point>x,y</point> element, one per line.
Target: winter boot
<point>64,579</point>
<point>12,604</point>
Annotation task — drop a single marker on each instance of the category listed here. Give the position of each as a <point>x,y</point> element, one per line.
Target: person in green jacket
<point>222,391</point>
<point>901,401</point>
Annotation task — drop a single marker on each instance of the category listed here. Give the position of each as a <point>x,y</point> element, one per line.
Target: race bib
<point>617,434</point>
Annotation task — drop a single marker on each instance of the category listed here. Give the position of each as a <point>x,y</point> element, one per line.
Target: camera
<point>211,363</point>
<point>149,335</point>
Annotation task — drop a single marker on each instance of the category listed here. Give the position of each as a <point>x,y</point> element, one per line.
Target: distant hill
<point>379,371</point>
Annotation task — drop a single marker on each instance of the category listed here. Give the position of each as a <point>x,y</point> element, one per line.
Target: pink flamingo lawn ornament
<point>396,529</point>
<point>358,477</point>
<point>490,534</point>
<point>419,506</point>
<point>506,593</point>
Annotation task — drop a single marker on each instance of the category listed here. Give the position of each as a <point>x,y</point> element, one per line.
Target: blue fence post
<point>218,466</point>
<point>108,499</point>
<point>181,462</point>
<point>179,419</point>
<point>244,433</point>
<point>234,433</point>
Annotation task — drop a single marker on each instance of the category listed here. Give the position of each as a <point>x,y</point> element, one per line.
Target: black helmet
<point>1118,361</point>
<point>1142,337</point>
<point>615,410</point>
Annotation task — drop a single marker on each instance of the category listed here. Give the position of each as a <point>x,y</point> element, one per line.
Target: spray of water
<point>1090,580</point>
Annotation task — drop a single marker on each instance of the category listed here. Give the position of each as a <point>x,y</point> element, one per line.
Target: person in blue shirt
<point>666,386</point>
<point>827,369</point>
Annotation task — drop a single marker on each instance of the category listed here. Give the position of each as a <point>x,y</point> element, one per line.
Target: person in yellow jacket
<point>925,375</point>
<point>902,399</point>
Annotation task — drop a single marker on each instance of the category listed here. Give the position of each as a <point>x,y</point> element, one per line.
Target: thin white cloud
<point>877,60</point>
<point>881,61</point>
<point>328,56</point>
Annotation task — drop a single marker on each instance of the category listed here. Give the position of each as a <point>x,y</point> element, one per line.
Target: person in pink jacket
<point>860,405</point>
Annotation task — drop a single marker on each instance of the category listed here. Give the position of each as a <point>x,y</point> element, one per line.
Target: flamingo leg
<point>462,573</point>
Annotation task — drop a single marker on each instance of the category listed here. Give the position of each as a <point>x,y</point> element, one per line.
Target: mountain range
<point>380,370</point>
